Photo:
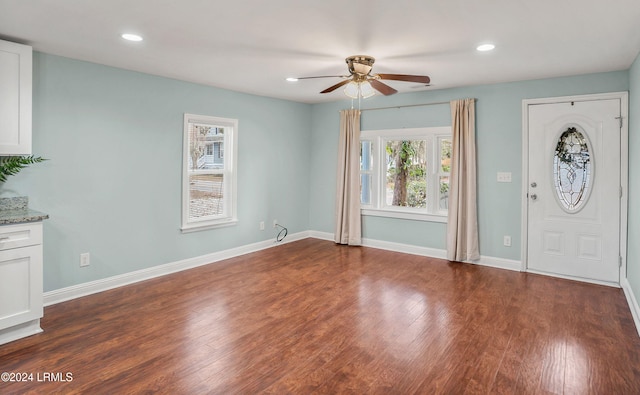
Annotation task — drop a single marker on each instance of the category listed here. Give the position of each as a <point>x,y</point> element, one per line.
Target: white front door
<point>574,189</point>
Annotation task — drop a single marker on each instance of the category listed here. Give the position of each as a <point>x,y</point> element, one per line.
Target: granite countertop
<point>16,210</point>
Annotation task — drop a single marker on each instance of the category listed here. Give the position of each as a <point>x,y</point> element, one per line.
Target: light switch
<point>504,176</point>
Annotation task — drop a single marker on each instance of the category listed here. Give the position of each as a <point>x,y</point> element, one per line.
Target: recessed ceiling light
<point>292,79</point>
<point>131,37</point>
<point>485,47</point>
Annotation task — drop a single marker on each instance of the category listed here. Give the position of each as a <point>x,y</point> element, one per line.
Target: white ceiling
<point>252,46</point>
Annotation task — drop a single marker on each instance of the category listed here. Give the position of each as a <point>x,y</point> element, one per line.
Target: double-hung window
<point>209,173</point>
<point>404,173</point>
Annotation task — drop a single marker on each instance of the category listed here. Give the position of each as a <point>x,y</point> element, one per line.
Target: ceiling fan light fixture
<point>356,90</point>
<point>352,90</point>
<point>366,90</point>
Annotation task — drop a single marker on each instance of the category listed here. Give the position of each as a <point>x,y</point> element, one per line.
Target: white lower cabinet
<point>20,280</point>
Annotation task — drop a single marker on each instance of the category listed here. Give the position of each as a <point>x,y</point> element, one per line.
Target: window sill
<point>206,225</point>
<point>404,215</point>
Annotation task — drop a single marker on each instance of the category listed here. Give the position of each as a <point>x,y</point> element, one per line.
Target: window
<point>405,173</point>
<point>209,176</point>
<point>572,170</point>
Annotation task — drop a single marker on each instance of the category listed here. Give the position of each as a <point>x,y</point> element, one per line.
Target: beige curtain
<point>348,223</point>
<point>462,225</point>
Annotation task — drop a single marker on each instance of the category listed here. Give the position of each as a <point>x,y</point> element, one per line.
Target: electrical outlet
<point>507,241</point>
<point>85,259</point>
<point>275,222</point>
<point>261,225</point>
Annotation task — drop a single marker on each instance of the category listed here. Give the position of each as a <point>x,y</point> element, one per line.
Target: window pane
<point>365,188</point>
<point>366,158</point>
<point>205,145</point>
<point>443,203</point>
<point>445,155</point>
<point>205,195</point>
<point>572,169</point>
<point>406,183</point>
<point>445,168</point>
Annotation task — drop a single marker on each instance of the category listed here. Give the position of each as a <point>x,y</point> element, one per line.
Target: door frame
<point>624,174</point>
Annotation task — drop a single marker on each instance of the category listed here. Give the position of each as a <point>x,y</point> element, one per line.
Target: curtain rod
<point>408,105</point>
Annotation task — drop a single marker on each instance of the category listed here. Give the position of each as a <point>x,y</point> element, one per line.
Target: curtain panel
<point>348,221</point>
<point>462,223</point>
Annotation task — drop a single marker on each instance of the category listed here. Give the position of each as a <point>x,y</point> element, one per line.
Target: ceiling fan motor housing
<point>360,64</point>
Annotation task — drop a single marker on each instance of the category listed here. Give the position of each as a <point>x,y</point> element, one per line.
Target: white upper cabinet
<point>15,98</point>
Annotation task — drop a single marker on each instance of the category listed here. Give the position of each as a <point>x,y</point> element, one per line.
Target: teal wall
<point>633,248</point>
<point>112,186</point>
<point>499,145</point>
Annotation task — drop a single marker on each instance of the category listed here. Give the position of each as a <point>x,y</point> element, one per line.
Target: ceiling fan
<point>360,74</point>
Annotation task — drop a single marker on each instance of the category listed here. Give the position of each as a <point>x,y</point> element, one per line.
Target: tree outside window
<point>405,173</point>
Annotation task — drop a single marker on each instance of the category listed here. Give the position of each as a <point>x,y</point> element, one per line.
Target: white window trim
<point>378,208</point>
<point>230,168</point>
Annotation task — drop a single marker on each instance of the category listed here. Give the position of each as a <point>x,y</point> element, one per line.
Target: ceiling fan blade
<point>336,86</point>
<point>423,79</point>
<point>322,76</point>
<point>382,88</point>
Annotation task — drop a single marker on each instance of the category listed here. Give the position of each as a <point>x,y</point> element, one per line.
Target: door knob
<point>533,185</point>
<point>534,197</point>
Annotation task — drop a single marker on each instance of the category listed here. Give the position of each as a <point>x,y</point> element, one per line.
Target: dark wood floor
<point>313,317</point>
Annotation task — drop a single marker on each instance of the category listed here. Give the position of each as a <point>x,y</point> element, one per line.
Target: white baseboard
<point>92,287</point>
<point>632,302</point>
<point>499,263</point>
<point>405,248</point>
<point>321,235</point>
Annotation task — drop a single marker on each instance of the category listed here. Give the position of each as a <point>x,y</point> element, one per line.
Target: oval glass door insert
<point>572,170</point>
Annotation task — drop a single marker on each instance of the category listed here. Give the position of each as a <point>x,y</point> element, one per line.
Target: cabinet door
<point>15,98</point>
<point>20,285</point>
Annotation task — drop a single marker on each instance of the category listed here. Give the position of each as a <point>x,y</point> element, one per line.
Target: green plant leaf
<point>10,165</point>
